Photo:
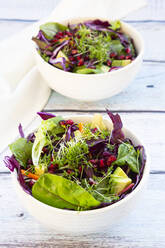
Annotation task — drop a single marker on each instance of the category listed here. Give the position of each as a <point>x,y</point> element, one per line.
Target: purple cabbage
<point>105,26</point>
<point>21,131</point>
<point>113,68</point>
<point>31,137</point>
<point>58,48</point>
<point>11,163</point>
<point>41,37</point>
<point>61,61</point>
<point>70,132</point>
<point>45,116</point>
<point>117,134</point>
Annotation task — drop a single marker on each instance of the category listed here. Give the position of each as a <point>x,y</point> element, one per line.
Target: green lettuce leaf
<point>47,127</point>
<point>22,150</point>
<point>115,25</point>
<point>62,193</point>
<point>51,28</point>
<point>128,155</point>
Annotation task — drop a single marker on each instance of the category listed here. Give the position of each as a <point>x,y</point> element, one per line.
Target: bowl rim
<point>98,210</point>
<point>130,27</point>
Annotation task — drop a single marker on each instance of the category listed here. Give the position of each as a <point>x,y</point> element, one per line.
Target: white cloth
<point>23,91</point>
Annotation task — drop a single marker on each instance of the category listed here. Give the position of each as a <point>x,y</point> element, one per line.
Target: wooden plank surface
<point>34,10</point>
<point>142,108</point>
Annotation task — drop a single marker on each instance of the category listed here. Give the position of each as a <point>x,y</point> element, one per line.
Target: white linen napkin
<point>23,91</point>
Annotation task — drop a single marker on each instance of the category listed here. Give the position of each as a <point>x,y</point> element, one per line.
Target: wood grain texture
<point>144,227</point>
<point>34,10</point>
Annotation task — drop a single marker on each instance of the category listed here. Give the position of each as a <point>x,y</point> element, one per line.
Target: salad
<point>90,47</point>
<point>77,166</point>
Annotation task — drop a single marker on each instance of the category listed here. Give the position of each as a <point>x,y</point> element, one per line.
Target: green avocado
<point>119,181</point>
<point>123,62</point>
<point>60,55</point>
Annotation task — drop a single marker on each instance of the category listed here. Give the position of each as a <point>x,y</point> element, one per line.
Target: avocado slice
<point>59,55</point>
<point>97,122</point>
<point>62,54</point>
<point>119,181</point>
<point>123,62</point>
<point>104,68</point>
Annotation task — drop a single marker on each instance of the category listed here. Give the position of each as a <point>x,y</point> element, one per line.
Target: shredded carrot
<point>80,125</point>
<point>29,174</point>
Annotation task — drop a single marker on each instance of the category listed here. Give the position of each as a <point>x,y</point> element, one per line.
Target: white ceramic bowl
<point>92,87</point>
<point>74,222</point>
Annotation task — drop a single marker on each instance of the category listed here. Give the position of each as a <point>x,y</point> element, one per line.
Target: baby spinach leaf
<point>62,193</point>
<point>51,28</point>
<point>22,150</point>
<point>128,155</point>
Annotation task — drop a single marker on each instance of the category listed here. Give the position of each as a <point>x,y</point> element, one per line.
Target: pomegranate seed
<point>68,33</point>
<point>51,166</point>
<point>80,169</point>
<point>121,57</point>
<point>71,58</point>
<point>44,149</point>
<point>112,55</point>
<point>69,122</point>
<point>78,36</point>
<point>55,40</point>
<point>111,159</point>
<point>86,57</point>
<point>74,51</point>
<point>51,158</point>
<point>81,62</point>
<point>31,183</point>
<point>102,163</point>
<point>127,50</point>
<point>60,33</point>
<point>109,62</point>
<point>79,57</point>
<point>62,123</point>
<point>69,171</point>
<point>128,57</point>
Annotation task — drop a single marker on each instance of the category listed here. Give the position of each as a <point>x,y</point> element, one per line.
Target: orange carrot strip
<point>29,174</point>
<point>80,126</point>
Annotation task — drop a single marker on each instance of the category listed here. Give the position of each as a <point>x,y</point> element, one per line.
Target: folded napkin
<point>23,91</point>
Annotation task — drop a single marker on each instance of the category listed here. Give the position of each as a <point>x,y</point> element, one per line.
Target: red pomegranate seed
<point>102,163</point>
<point>79,57</point>
<point>71,58</point>
<point>86,57</point>
<point>69,171</point>
<point>51,166</point>
<point>78,36</point>
<point>80,169</point>
<point>51,158</point>
<point>127,50</point>
<point>44,149</point>
<point>128,57</point>
<point>74,51</point>
<point>68,33</point>
<point>111,159</point>
<point>121,57</point>
<point>55,40</point>
<point>69,122</point>
<point>62,123</point>
<point>109,62</point>
<point>60,33</point>
<point>81,62</point>
<point>112,55</point>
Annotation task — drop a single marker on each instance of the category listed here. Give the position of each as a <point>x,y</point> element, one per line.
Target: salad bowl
<point>88,221</point>
<point>92,87</point>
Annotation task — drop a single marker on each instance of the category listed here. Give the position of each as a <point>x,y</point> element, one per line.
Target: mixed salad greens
<point>77,166</point>
<point>93,46</point>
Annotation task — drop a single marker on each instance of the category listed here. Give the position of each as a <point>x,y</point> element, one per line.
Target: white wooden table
<point>142,107</point>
